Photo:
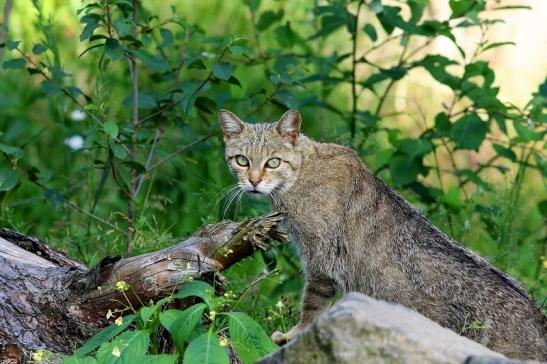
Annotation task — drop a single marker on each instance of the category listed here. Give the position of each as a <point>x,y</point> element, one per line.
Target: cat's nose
<point>255,182</point>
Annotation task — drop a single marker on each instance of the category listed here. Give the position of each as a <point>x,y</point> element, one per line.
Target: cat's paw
<point>279,338</point>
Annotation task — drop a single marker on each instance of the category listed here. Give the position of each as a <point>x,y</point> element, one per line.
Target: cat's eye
<point>242,161</point>
<point>273,163</point>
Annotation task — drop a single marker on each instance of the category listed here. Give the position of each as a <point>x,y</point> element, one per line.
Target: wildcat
<point>355,233</point>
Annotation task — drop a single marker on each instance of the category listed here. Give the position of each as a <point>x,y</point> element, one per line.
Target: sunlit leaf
<point>104,335</point>
<point>469,132</point>
<point>206,349</point>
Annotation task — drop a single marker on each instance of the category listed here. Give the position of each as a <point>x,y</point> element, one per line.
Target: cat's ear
<point>289,125</point>
<point>231,125</point>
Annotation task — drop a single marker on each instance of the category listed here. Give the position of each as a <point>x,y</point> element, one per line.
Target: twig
<point>148,161</point>
<point>4,28</point>
<point>266,100</point>
<point>391,81</point>
<point>180,150</point>
<point>93,216</point>
<point>380,45</point>
<point>257,281</point>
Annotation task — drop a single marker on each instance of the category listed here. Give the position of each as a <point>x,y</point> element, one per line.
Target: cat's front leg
<point>317,296</point>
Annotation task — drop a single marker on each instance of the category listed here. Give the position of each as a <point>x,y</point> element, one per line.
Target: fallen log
<point>52,302</point>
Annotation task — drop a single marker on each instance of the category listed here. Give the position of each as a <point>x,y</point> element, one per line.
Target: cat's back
<point>333,162</point>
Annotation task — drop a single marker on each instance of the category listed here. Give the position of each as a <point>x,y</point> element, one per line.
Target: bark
<point>52,302</point>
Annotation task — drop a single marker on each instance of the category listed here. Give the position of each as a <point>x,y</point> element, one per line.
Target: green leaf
<point>452,198</point>
<point>269,17</point>
<point>497,44</point>
<point>525,133</point>
<point>469,132</point>
<point>123,27</point>
<point>39,49</point>
<point>8,179</point>
<point>416,147</point>
<point>474,177</point>
<point>12,44</point>
<point>223,70</point>
<point>542,207</point>
<point>50,88</point>
<point>442,124</point>
<point>104,335</point>
<point>146,313</point>
<point>436,66</point>
<point>153,359</point>
<point>240,50</point>
<point>285,35</point>
<point>74,91</point>
<point>541,163</point>
<point>54,198</point>
<point>129,345</point>
<point>287,99</point>
<point>17,63</point>
<point>153,62</point>
<point>206,104</point>
<point>113,49</point>
<point>206,349</point>
<point>146,101</point>
<point>199,289</point>
<point>140,168</point>
<point>371,32</point>
<point>14,152</point>
<point>168,317</point>
<point>248,337</point>
<point>88,30</point>
<point>111,129</point>
<point>505,152</point>
<point>78,360</point>
<point>181,323</point>
<point>376,6</point>
<point>118,150</point>
<point>403,169</point>
<point>463,7</point>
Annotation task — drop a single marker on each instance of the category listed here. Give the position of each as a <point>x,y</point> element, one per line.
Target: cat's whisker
<point>238,205</point>
<point>222,194</point>
<point>232,198</point>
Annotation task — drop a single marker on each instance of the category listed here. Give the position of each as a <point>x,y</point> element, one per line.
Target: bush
<point>111,144</point>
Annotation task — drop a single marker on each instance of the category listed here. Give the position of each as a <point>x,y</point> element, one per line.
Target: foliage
<point>110,144</point>
<point>199,332</point>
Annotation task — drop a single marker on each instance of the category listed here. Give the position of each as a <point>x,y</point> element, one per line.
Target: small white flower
<point>75,142</point>
<point>109,314</point>
<point>279,304</point>
<point>78,115</point>
<point>116,352</point>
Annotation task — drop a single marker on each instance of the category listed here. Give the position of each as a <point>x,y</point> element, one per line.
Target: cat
<point>355,233</point>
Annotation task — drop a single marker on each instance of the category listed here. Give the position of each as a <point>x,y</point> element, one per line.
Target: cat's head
<point>264,157</point>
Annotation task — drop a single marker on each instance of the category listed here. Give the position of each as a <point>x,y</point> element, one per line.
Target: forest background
<point>110,143</point>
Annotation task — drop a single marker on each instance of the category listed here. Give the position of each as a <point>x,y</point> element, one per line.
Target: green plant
<point>201,333</point>
<point>109,140</point>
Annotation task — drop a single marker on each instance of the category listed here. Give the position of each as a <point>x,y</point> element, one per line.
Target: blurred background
<point>109,135</point>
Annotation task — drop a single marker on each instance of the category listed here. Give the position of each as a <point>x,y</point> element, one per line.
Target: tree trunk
<point>49,301</point>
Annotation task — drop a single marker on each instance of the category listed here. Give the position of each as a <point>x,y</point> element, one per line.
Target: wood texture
<point>50,301</point>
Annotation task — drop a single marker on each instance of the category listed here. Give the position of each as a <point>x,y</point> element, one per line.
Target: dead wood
<point>52,302</point>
